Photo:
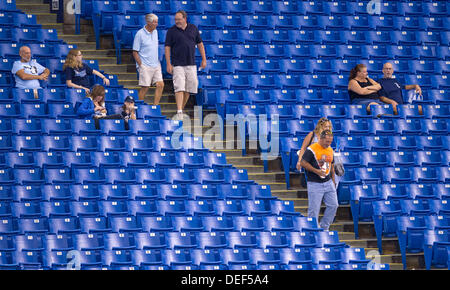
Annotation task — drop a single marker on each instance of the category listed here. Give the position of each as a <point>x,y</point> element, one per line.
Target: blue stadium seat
<point>181,240</point>
<point>421,191</point>
<point>55,143</point>
<point>281,223</point>
<point>124,224</point>
<point>384,216</point>
<point>209,7</point>
<point>229,207</point>
<point>171,207</point>
<point>156,224</point>
<point>149,241</point>
<point>56,127</point>
<point>435,248</point>
<point>212,240</point>
<point>64,225</point>
<point>88,209</point>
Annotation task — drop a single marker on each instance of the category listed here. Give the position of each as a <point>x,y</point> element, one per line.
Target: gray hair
<point>151,17</point>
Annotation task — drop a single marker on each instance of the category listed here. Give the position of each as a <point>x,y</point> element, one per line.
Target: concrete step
<point>86,27</point>
<point>22,2</point>
<point>74,38</point>
<point>33,8</point>
<point>94,53</point>
<point>45,17</point>
<point>117,68</point>
<point>83,45</point>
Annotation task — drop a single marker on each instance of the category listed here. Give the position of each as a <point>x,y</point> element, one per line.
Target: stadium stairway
<point>126,73</point>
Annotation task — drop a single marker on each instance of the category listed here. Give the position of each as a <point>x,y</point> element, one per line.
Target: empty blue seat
<point>403,143</point>
<point>217,224</point>
<point>55,143</point>
<point>229,207</point>
<point>57,192</point>
<point>87,209</point>
<point>64,225</point>
<point>156,224</point>
<point>181,240</point>
<point>384,216</point>
<point>171,207</point>
<point>200,208</point>
<point>111,143</point>
<point>56,209</point>
<point>435,248</point>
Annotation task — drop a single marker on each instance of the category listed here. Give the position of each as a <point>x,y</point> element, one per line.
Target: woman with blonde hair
<point>77,72</point>
<point>312,137</point>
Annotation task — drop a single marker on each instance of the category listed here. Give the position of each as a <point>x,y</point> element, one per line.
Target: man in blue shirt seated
<point>391,89</point>
<point>27,72</point>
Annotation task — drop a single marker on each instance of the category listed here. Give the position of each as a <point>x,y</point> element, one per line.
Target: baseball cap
<point>129,99</point>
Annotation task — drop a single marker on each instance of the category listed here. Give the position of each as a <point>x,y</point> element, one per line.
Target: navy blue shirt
<point>80,76</point>
<point>391,89</point>
<point>182,44</point>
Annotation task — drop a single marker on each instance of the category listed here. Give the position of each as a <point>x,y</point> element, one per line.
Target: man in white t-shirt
<point>145,53</point>
<point>27,72</point>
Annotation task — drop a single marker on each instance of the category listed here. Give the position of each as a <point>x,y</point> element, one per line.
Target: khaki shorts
<point>149,76</point>
<point>185,79</point>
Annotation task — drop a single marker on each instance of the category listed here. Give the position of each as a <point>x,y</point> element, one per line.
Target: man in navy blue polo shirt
<point>391,89</point>
<point>180,43</point>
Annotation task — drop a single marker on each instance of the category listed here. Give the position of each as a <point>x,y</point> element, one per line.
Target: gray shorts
<point>185,79</point>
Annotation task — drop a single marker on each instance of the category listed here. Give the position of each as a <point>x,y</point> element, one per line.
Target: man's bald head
<point>388,70</point>
<point>25,53</point>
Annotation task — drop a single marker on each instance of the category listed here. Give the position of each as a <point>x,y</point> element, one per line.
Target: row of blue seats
<point>38,50</point>
<point>363,196</point>
<point>371,208</point>
<point>63,95</point>
<point>343,127</point>
<point>390,221</point>
<point>57,80</point>
<point>13,19</point>
<point>90,222</point>
<point>305,112</point>
<point>179,240</point>
<point>394,158</point>
<point>94,209</point>
<point>242,259</point>
<point>94,192</point>
<point>290,146</point>
<point>68,110</point>
<point>283,128</point>
<point>285,37</point>
<point>140,159</point>
<point>100,143</point>
<point>87,127</point>
<point>128,175</point>
<point>29,35</point>
<point>299,80</point>
<point>220,98</point>
<point>266,7</point>
<point>341,114</point>
<point>293,29</point>
<point>389,175</point>
<point>129,21</point>
<point>54,65</point>
<point>308,51</point>
<point>319,66</point>
<point>414,236</point>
